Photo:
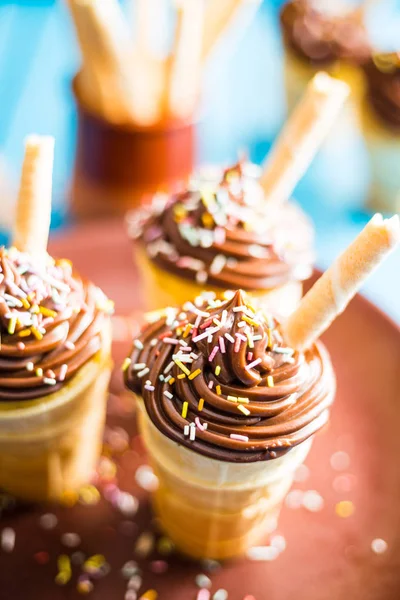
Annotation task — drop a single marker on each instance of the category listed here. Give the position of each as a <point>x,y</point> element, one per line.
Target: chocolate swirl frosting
<point>323,38</point>
<point>221,231</point>
<point>383,87</point>
<point>217,377</point>
<point>50,323</point>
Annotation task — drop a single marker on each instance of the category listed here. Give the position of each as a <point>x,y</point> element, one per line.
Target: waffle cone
<point>50,446</point>
<point>211,508</point>
<point>161,289</point>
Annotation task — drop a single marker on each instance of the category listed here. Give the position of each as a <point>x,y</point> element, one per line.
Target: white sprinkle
<point>127,504</point>
<point>139,366</point>
<point>257,337</point>
<point>379,546</point>
<point>135,582</point>
<point>201,277</point>
<point>278,542</point>
<point>146,478</point>
<point>7,539</point>
<point>144,372</point>
<point>30,366</point>
<point>138,344</point>
<point>202,581</point>
<point>190,306</point>
<point>169,367</point>
<point>71,540</point>
<point>184,358</point>
<point>313,501</point>
<point>220,594</point>
<point>63,372</point>
<point>282,350</point>
<point>253,364</point>
<point>217,264</point>
<point>207,333</point>
<point>129,569</point>
<point>186,430</point>
<point>294,499</point>
<point>149,387</point>
<point>262,553</point>
<point>49,380</point>
<point>340,461</point>
<point>69,345</point>
<point>240,309</point>
<point>168,394</point>
<point>229,337</point>
<point>48,521</point>
<point>192,436</point>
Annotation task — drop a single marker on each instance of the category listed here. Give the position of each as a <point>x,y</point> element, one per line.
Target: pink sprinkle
<point>199,425</point>
<point>69,345</point>
<point>206,323</point>
<point>63,372</point>
<point>253,364</point>
<point>168,340</point>
<point>21,346</point>
<point>239,438</point>
<point>241,336</point>
<point>203,594</point>
<point>237,344</point>
<point>159,566</point>
<point>249,356</point>
<point>211,385</point>
<point>222,344</point>
<point>50,373</point>
<point>219,235</point>
<point>213,353</point>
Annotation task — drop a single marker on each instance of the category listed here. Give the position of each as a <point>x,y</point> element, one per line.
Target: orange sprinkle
<point>218,390</point>
<point>149,595</point>
<point>181,376</point>
<point>194,374</point>
<point>171,381</point>
<point>201,404</point>
<point>344,509</point>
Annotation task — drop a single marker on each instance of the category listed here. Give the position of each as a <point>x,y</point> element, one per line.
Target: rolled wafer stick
<point>336,287</point>
<point>185,66</point>
<point>218,19</point>
<point>302,136</point>
<point>33,211</point>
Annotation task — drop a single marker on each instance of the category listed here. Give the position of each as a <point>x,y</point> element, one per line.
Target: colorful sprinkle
<point>344,509</point>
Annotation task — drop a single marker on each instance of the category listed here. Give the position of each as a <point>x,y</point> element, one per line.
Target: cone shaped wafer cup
<point>49,447</point>
<point>49,441</point>
<point>214,509</point>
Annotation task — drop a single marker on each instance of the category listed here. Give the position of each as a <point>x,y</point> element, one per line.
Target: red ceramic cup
<point>116,166</point>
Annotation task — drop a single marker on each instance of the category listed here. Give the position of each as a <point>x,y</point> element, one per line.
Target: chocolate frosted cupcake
<point>228,411</point>
<point>381,125</point>
<point>55,366</point>
<point>220,233</point>
<point>319,36</point>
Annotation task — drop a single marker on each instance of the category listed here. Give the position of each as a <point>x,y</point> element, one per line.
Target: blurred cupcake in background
<point>381,127</point>
<point>220,234</point>
<point>323,35</point>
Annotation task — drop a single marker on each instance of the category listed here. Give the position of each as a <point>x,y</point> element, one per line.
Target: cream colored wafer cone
<point>185,67</point>
<point>211,508</point>
<point>302,136</point>
<point>33,212</point>
<point>337,286</point>
<point>49,446</point>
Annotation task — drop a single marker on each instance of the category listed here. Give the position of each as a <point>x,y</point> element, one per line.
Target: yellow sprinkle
<point>89,495</point>
<point>195,374</point>
<point>25,303</point>
<point>244,400</point>
<point>185,407</point>
<point>344,509</point>
<point>270,381</point>
<point>171,381</point>
<point>149,595</point>
<point>36,333</point>
<point>243,409</point>
<point>69,498</point>
<point>11,325</point>
<point>35,309</point>
<point>207,219</point>
<point>250,321</point>
<point>188,329</point>
<point>232,398</point>
<point>182,367</point>
<point>250,341</point>
<point>47,312</point>
<point>201,404</point>
<point>181,376</point>
<point>39,372</point>
<point>217,370</point>
<point>269,332</point>
<point>126,364</point>
<point>64,570</point>
<point>218,390</point>
<point>24,333</point>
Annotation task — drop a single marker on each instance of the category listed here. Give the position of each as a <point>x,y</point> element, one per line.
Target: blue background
<point>243,108</point>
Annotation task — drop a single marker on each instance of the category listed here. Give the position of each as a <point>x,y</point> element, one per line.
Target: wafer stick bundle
<point>122,80</point>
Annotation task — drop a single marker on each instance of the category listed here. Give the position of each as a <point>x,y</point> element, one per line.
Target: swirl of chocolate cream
<point>221,231</point>
<point>323,38</point>
<point>383,87</point>
<point>50,323</point>
<point>217,377</point>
